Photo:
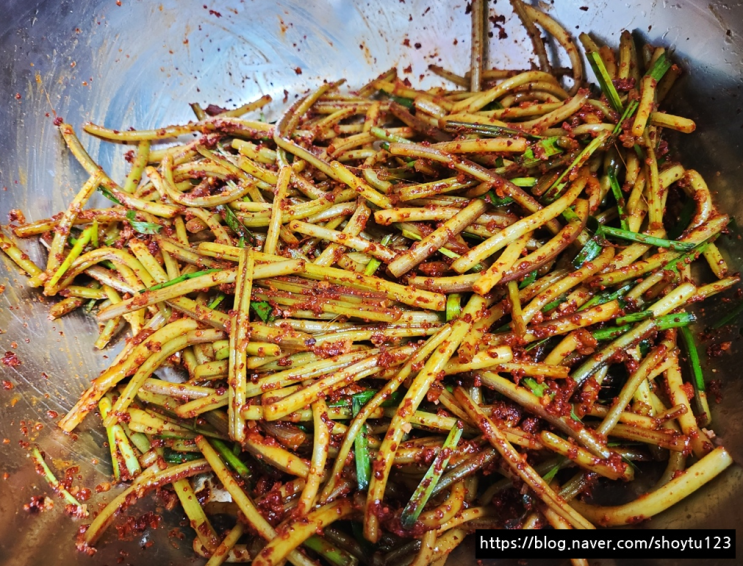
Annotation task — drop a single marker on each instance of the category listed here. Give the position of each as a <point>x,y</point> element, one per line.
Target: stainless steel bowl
<point>138,63</point>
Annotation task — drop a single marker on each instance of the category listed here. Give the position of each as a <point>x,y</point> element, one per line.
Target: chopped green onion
<point>443,251</point>
<point>573,415</point>
<point>104,406</point>
<point>142,227</point>
<point>426,486</point>
<point>184,277</point>
<point>358,533</point>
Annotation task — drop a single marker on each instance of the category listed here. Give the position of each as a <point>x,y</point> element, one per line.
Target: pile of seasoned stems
<point>398,315</point>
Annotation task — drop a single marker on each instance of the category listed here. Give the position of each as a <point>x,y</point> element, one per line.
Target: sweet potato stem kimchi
<point>398,315</point>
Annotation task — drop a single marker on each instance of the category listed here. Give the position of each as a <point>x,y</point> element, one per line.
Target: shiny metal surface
<point>140,63</point>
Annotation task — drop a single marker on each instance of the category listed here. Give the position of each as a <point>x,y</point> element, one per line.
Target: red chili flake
<point>10,360</point>
<point>15,215</point>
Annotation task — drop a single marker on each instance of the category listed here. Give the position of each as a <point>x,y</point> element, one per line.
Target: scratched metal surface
<point>140,63</point>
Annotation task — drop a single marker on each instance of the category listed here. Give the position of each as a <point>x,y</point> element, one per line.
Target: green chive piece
<point>634,317</point>
<point>234,222</point>
<point>495,200</point>
<point>645,239</point>
<point>43,469</point>
<point>184,277</point>
<point>230,458</point>
<point>673,264</point>
<point>660,68</point>
<point>331,553</point>
<point>607,296</point>
<point>425,488</point>
<point>108,194</point>
<point>393,400</point>
<point>619,197</point>
<point>175,457</point>
<point>628,112</point>
<point>406,102</point>
<point>538,389</point>
<point>142,227</point>
<point>94,234</point>
<point>696,372</point>
<point>536,344</point>
<point>549,148</point>
<point>374,263</point>
<point>263,309</point>
<point>590,251</point>
<point>679,320</point>
<point>602,75</point>
<point>552,472</point>
<point>383,134</point>
<point>217,300</point>
<point>552,193</point>
<point>361,448</point>
<point>75,252</point>
<point>488,130</point>
<point>554,304</point>
<point>528,280</point>
<point>453,306</point>
<point>524,182</point>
